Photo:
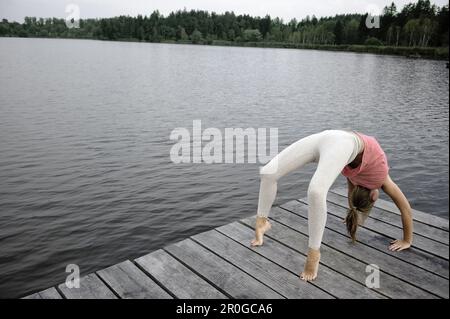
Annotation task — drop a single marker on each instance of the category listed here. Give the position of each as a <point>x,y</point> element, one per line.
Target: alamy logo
<point>373,279</point>
<point>373,17</point>
<point>73,279</point>
<point>73,19</point>
<point>211,146</point>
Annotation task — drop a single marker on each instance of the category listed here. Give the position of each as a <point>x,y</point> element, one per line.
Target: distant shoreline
<point>410,52</point>
<point>433,53</point>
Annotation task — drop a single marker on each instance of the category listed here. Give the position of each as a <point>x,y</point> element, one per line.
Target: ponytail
<point>351,221</point>
<point>360,203</point>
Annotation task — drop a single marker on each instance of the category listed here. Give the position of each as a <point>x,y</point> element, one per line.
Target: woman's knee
<point>268,172</point>
<point>316,193</point>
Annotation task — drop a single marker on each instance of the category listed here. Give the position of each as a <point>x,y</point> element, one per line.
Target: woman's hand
<point>399,245</point>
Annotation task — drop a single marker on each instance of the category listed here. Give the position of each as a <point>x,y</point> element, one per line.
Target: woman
<point>358,157</point>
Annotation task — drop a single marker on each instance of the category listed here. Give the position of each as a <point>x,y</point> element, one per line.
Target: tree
<point>231,35</point>
<point>276,34</point>
<point>391,10</point>
<point>350,31</point>
<point>4,29</point>
<point>181,34</point>
<point>155,36</point>
<point>397,35</point>
<point>140,33</point>
<point>416,24</point>
<point>426,29</point>
<point>265,25</point>
<point>338,32</point>
<point>411,29</point>
<point>362,29</point>
<point>390,34</point>
<point>442,32</point>
<point>252,35</point>
<point>293,25</point>
<point>196,36</point>
<point>373,41</point>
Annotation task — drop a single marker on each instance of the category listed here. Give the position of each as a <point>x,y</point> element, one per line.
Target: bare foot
<point>311,265</point>
<point>262,225</point>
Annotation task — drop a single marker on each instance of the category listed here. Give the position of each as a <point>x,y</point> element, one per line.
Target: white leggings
<point>332,150</point>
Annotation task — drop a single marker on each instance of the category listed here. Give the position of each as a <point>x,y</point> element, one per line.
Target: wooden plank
<point>381,242</point>
<point>33,296</point>
<point>129,282</point>
<point>176,277</point>
<point>91,287</point>
<point>420,228</point>
<point>344,264</point>
<point>394,232</point>
<point>219,272</point>
<point>50,293</point>
<point>329,280</point>
<point>426,218</point>
<point>220,263</point>
<point>279,279</point>
<point>405,271</point>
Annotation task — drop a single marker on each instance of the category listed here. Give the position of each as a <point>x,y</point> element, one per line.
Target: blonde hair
<point>360,201</point>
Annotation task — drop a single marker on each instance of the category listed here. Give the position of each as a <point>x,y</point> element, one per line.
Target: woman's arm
<point>397,196</point>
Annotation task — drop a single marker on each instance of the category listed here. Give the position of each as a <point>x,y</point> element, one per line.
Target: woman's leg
<point>334,155</point>
<point>294,156</point>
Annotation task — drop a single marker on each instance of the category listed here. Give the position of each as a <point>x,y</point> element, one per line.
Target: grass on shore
<point>440,53</point>
<point>437,53</point>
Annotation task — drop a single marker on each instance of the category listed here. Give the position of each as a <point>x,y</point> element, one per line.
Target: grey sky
<point>286,9</point>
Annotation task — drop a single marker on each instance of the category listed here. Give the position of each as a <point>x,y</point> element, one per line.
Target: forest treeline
<point>416,25</point>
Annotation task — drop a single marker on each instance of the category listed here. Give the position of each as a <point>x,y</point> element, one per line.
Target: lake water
<point>85,172</point>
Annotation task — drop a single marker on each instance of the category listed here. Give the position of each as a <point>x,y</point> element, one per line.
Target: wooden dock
<point>220,263</point>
